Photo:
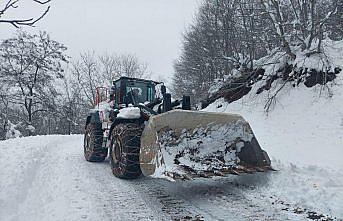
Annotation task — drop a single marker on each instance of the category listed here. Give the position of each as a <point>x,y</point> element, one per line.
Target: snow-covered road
<point>46,178</point>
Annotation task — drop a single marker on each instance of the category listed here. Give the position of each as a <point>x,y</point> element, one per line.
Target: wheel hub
<point>117,150</point>
<point>88,142</point>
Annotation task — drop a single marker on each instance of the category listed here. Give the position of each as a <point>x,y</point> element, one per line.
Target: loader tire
<point>93,150</point>
<point>124,150</point>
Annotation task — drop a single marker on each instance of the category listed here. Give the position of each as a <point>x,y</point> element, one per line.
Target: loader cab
<point>126,91</point>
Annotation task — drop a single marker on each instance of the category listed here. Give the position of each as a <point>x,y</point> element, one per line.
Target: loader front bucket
<point>183,144</point>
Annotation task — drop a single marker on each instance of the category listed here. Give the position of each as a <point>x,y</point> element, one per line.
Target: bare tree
<point>110,70</point>
<point>114,66</point>
<point>226,35</point>
<point>4,106</point>
<point>92,71</point>
<point>300,21</point>
<point>335,23</point>
<point>129,65</point>
<point>87,75</point>
<point>29,65</point>
<point>17,22</point>
<point>72,108</point>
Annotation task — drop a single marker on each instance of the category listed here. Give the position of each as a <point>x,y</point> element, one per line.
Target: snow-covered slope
<point>304,127</point>
<point>303,134</point>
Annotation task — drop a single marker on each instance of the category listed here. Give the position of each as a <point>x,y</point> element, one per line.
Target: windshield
<point>140,92</point>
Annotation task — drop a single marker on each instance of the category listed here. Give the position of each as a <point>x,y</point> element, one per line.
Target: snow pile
<point>129,113</point>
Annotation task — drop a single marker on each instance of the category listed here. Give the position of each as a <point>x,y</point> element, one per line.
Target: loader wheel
<point>93,150</point>
<point>124,152</point>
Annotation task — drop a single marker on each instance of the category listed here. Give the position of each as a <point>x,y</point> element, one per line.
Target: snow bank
<point>20,153</point>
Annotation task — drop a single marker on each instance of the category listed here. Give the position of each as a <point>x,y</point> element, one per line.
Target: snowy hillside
<point>303,134</point>
<point>304,127</point>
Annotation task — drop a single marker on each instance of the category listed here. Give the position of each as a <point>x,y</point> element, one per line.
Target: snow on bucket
<point>185,144</point>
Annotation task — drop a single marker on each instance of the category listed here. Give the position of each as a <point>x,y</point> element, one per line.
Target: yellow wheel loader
<point>143,131</point>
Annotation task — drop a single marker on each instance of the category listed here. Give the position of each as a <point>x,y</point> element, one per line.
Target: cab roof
<point>137,79</point>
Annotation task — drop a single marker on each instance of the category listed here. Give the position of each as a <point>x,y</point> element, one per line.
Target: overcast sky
<point>151,29</point>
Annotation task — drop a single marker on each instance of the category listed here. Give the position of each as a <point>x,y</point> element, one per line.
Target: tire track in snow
<point>174,207</point>
<point>25,183</point>
<point>221,199</point>
<point>181,200</point>
<point>113,198</point>
<point>122,201</point>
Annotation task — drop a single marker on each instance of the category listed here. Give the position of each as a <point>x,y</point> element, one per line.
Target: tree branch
<point>42,2</point>
<point>9,4</point>
<point>22,22</point>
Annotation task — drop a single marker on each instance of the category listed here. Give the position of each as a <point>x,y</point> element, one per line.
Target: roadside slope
<point>303,134</point>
